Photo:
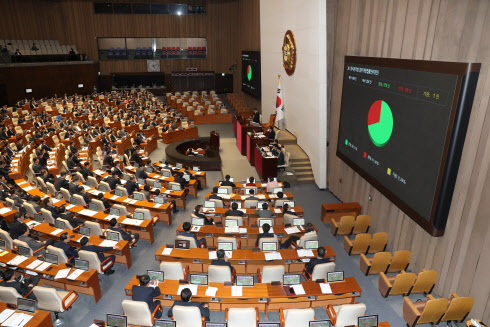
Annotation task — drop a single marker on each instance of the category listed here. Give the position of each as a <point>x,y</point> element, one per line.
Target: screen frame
<point>336,272</point>
<point>116,315</point>
<point>361,317</point>
<point>207,278</point>
<point>173,322</point>
<point>248,276</point>
<point>284,279</point>
<point>454,142</point>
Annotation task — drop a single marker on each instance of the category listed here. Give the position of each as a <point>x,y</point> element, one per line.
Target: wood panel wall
<point>446,30</point>
<point>74,22</point>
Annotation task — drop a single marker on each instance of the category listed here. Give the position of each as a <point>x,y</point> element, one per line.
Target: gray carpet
<point>308,196</point>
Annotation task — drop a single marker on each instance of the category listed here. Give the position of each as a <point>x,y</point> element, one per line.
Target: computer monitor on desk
<point>114,320</point>
<point>335,276</point>
<point>178,165</point>
<point>112,236</point>
<point>311,245</point>
<point>209,204</point>
<point>82,264</point>
<point>263,221</point>
<point>157,184</point>
<point>197,221</point>
<point>156,274</point>
<point>244,280</point>
<point>138,196</point>
<point>289,203</point>
<point>114,212</point>
<point>118,192</point>
<point>26,305</point>
<point>176,187</point>
<point>225,246</point>
<point>367,321</point>
<point>38,217</point>
<point>320,323</point>
<point>139,215</point>
<point>159,199</point>
<point>216,324</point>
<point>198,279</point>
<point>298,221</point>
<point>166,173</point>
<point>269,246</point>
<point>231,222</point>
<point>182,244</point>
<point>277,190</point>
<point>269,324</point>
<point>85,231</point>
<point>51,258</point>
<point>93,206</point>
<point>59,224</point>
<point>164,323</point>
<point>291,279</point>
<point>222,190</point>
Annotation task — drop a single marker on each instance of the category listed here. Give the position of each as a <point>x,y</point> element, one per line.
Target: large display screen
<point>251,73</point>
<point>402,127</point>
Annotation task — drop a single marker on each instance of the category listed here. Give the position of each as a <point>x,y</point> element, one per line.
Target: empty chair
<point>100,204</point>
<point>400,261</point>
<point>359,245</point>
<point>430,311</point>
<point>93,182</point>
<point>174,270</point>
<point>94,262</point>
<point>319,271</point>
<point>147,214</point>
<point>345,314</point>
<point>95,228</point>
<point>378,242</point>
<point>296,317</point>
<point>232,240</point>
<point>375,264</point>
<point>268,239</point>
<point>219,203</point>
<point>80,200</point>
<point>30,211</point>
<point>104,187</point>
<point>66,194</point>
<point>122,209</point>
<point>361,224</point>
<point>9,295</point>
<point>288,218</point>
<point>62,258</point>
<point>270,274</point>
<point>343,227</point>
<point>396,285</point>
<point>187,316</point>
<point>50,299</point>
<point>242,317</point>
<point>220,274</point>
<point>51,189</point>
<point>41,184</point>
<point>139,313</point>
<point>47,216</point>
<point>80,177</point>
<point>458,309</point>
<point>425,282</point>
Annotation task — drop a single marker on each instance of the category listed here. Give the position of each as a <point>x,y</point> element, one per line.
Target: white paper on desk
<point>123,181</point>
<point>127,200</point>
<point>292,230</point>
<point>229,230</point>
<point>28,188</point>
<point>129,167</point>
<point>272,196</point>
<point>74,275</point>
<point>5,314</point>
<point>56,231</point>
<point>20,184</point>
<point>87,212</point>
<point>243,197</point>
<point>298,289</point>
<point>167,192</point>
<point>18,319</point>
<point>99,172</point>
<point>114,197</point>
<point>129,221</point>
<point>226,196</point>
<point>34,264</point>
<point>62,273</point>
<point>229,254</point>
<point>276,210</point>
<point>109,217</point>
<point>242,230</point>
<point>167,251</point>
<point>195,228</point>
<point>192,287</point>
<point>211,291</point>
<point>133,201</point>
<point>269,256</point>
<point>43,266</point>
<point>243,210</point>
<point>326,289</point>
<point>4,210</point>
<point>55,200</point>
<point>305,253</point>
<point>236,291</point>
<point>51,167</point>
<point>68,207</point>
<point>156,177</point>
<point>108,243</point>
<point>213,255</point>
<point>261,196</point>
<point>17,260</point>
<point>157,205</point>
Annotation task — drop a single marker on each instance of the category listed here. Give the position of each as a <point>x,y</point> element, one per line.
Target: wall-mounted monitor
<point>251,79</point>
<point>28,90</point>
<point>402,128</point>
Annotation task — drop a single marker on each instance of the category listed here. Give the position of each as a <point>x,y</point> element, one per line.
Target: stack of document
<point>68,207</point>
<point>108,243</point>
<point>213,255</point>
<point>269,256</point>
<point>17,260</point>
<point>326,289</point>
<point>305,253</point>
<point>276,210</point>
<point>74,275</point>
<point>56,231</point>
<point>34,264</point>
<point>43,266</point>
<point>192,287</point>
<point>87,212</point>
<point>236,290</point>
<point>62,273</point>
<point>292,230</point>
<point>5,314</point>
<point>129,221</point>
<point>18,319</point>
<point>242,230</point>
<point>261,196</point>
<point>211,291</point>
<point>167,251</point>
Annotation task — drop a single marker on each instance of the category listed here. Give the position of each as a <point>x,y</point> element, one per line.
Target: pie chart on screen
<point>249,72</point>
<point>380,123</point>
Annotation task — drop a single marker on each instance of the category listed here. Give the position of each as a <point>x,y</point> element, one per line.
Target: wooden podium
<point>266,167</point>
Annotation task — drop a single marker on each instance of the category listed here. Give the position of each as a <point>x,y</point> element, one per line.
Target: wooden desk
<point>40,318</point>
<point>188,133</point>
<point>213,118</point>
<point>264,296</point>
<point>247,239</point>
<point>122,145</point>
<point>200,175</point>
<point>336,210</point>
<point>150,145</point>
<point>266,166</point>
<point>252,142</point>
<point>243,127</point>
<point>244,261</point>
<point>86,283</point>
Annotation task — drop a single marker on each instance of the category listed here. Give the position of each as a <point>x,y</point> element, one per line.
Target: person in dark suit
<point>70,251</point>
<point>227,182</point>
<point>251,192</point>
<point>74,222</point>
<point>83,169</point>
<point>113,180</point>
<point>234,210</point>
<point>141,173</point>
<point>309,228</point>
<point>280,159</point>
<point>256,116</point>
<point>34,244</point>
<point>180,179</point>
<point>37,167</point>
<point>125,235</point>
<point>186,296</point>
<point>285,210</point>
<point>197,213</point>
<point>48,205</point>
<point>320,258</point>
<point>187,227</point>
<point>131,185</point>
<point>145,292</point>
<point>22,287</point>
<point>106,203</point>
<point>214,194</point>
<point>272,134</point>
<point>265,212</point>
<point>72,147</point>
<point>86,246</point>
<point>15,225</point>
<point>222,260</point>
<point>81,191</point>
<point>265,228</point>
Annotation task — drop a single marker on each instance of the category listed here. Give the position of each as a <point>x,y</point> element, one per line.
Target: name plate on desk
<point>242,262</point>
<point>355,293</point>
<point>209,235</point>
<point>243,236</point>
<point>118,252</point>
<point>214,299</point>
<point>280,235</point>
<point>168,297</point>
<point>311,298</point>
<point>196,261</point>
<point>262,300</point>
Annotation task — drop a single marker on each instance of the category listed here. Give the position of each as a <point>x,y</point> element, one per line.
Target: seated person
<point>227,182</point>
<point>187,227</point>
<point>309,229</point>
<point>251,182</point>
<point>181,180</point>
<point>15,225</point>
<point>106,203</point>
<point>265,228</point>
<point>146,192</point>
<point>113,180</point>
<point>74,222</point>
<point>285,210</point>
<point>234,210</point>
<point>186,296</point>
<point>320,258</point>
<point>197,213</point>
<point>172,202</point>
<point>86,246</point>
<point>222,260</point>
<point>265,212</point>
<point>81,191</point>
<point>214,194</point>
<point>145,292</point>
<point>23,287</point>
<point>70,251</point>
<point>115,226</point>
<point>33,244</point>
<point>251,192</point>
<point>131,185</point>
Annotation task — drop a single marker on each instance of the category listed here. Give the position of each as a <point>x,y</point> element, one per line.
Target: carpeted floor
<point>308,196</point>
